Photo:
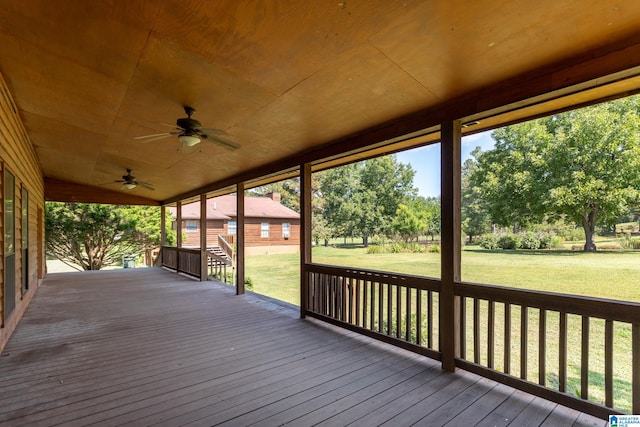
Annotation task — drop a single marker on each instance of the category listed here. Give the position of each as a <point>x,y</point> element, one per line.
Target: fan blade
<point>146,185</point>
<point>209,131</point>
<point>155,135</point>
<point>224,142</point>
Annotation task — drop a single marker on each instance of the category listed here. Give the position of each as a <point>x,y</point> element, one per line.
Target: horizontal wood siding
<point>252,232</point>
<point>18,156</point>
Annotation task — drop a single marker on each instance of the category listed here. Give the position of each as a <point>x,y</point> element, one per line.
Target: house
<point>274,90</point>
<point>269,225</point>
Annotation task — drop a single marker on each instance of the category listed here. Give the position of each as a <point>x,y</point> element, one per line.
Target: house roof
<point>289,81</point>
<point>224,207</point>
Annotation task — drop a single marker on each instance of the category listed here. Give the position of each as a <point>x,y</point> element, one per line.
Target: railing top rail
<point>622,311</point>
<point>408,280</point>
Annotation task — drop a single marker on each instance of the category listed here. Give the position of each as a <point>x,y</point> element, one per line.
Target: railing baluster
<point>398,311</point>
<point>407,334</point>
<point>507,338</point>
<point>491,329</point>
<point>524,341</point>
<point>542,347</point>
<point>463,327</point>
<point>635,370</point>
<point>389,309</point>
<point>584,363</point>
<point>476,330</point>
<point>357,303</point>
<point>562,353</point>
<point>608,363</point>
<point>365,303</point>
<point>418,317</point>
<point>345,299</point>
<point>372,323</point>
<point>381,307</point>
<point>430,319</point>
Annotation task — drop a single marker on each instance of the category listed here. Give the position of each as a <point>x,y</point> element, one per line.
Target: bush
<point>248,283</point>
<point>508,241</point>
<point>488,241</point>
<point>375,249</point>
<point>628,242</point>
<point>434,249</point>
<point>556,242</point>
<point>573,235</point>
<point>529,240</point>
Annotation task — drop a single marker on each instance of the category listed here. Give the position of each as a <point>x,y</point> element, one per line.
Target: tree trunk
<point>589,225</point>
<point>365,241</point>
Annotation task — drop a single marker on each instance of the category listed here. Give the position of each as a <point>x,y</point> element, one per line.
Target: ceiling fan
<point>129,182</point>
<point>190,132</point>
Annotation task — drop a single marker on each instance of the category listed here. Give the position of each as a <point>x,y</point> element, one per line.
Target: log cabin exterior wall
<point>18,157</point>
<point>252,229</point>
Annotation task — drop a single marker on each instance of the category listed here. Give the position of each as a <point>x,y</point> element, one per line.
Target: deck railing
<point>182,260</point>
<point>396,308</point>
<point>578,351</point>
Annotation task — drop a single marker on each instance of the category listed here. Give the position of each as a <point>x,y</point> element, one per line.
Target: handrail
<point>226,242</point>
<point>506,334</point>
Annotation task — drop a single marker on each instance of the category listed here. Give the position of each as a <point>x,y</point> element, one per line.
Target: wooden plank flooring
<point>145,347</point>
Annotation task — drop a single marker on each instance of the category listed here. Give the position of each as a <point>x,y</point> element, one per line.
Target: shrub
<point>556,242</point>
<point>529,240</point>
<point>434,249</point>
<point>628,242</point>
<point>374,249</point>
<point>248,283</point>
<point>573,235</point>
<point>508,241</point>
<point>488,241</point>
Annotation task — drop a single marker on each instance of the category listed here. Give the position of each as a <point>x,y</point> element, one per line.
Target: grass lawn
<point>613,275</point>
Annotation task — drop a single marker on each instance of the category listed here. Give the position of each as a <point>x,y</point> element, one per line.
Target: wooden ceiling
<point>288,80</point>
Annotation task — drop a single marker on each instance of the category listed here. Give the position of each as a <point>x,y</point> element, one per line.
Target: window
<point>286,230</point>
<point>232,227</point>
<point>191,226</point>
<point>264,230</point>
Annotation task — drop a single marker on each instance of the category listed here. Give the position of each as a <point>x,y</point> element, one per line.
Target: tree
<point>89,235</point>
<point>582,165</point>
<point>289,190</point>
<point>147,228</point>
<point>92,235</point>
<point>475,213</point>
<point>409,221</point>
<point>362,198</point>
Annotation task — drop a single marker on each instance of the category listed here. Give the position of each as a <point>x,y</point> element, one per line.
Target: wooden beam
<point>240,238</point>
<point>56,190</point>
<point>451,245</point>
<point>305,233</point>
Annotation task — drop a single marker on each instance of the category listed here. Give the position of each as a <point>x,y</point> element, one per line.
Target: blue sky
<point>426,161</point>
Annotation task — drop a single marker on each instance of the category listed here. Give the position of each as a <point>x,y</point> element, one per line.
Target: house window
<point>286,230</point>
<point>191,226</point>
<point>232,227</point>
<point>264,230</point>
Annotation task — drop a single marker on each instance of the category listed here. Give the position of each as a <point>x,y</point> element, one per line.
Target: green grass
<point>612,275</point>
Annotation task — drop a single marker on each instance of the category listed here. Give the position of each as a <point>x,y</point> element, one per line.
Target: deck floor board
<point>142,347</point>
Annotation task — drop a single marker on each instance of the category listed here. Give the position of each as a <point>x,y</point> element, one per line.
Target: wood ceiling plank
<point>48,86</point>
<point>459,46</point>
<point>275,45</point>
<point>106,37</point>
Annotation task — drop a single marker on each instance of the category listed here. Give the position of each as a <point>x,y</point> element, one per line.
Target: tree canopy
<point>92,235</point>
<point>361,199</point>
<point>581,165</point>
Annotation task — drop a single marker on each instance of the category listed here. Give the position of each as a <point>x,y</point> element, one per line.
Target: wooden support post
<point>240,238</point>
<point>203,239</point>
<point>163,236</point>
<point>451,244</point>
<point>305,234</point>
<point>178,234</point>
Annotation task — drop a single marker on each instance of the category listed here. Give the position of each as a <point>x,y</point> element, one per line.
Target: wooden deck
<point>148,347</point>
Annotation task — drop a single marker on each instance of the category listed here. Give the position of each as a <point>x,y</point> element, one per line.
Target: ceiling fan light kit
<point>190,132</point>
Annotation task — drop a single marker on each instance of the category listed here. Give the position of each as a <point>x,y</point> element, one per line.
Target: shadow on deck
<point>149,347</point>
